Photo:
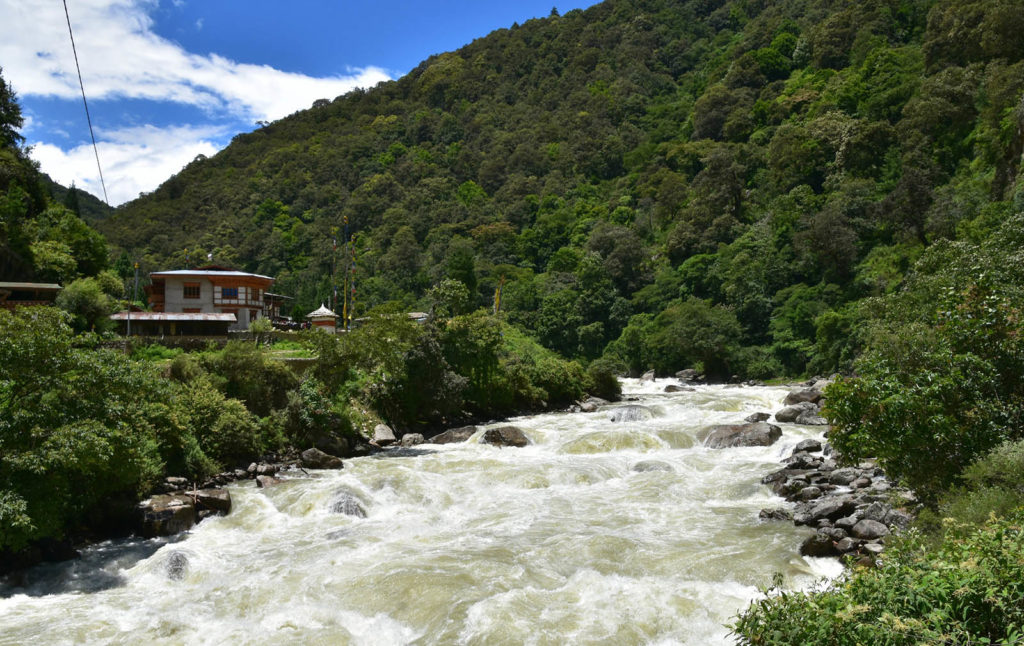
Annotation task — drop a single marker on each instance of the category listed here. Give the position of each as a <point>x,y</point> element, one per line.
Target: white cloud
<point>123,58</point>
<point>135,160</point>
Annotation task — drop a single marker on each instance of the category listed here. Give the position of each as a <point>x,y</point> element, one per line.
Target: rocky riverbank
<point>853,508</point>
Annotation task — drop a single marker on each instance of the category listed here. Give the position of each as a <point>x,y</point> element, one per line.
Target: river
<point>560,542</point>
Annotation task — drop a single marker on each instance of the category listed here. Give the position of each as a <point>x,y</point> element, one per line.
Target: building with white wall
<point>210,290</point>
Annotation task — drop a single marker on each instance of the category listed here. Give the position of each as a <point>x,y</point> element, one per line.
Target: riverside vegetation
<point>750,188</point>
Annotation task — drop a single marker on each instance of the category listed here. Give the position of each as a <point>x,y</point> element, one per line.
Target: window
<point>191,310</point>
<point>229,292</point>
<point>191,290</point>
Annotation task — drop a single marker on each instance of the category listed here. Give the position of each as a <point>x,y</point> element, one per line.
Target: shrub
<point>964,590</point>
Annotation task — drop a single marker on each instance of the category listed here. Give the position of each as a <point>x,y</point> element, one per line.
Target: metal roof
<point>176,317</point>
<point>207,273</point>
<point>41,286</point>
<point>322,311</point>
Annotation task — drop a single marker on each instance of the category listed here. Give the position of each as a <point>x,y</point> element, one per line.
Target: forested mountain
<point>42,237</point>
<point>664,182</point>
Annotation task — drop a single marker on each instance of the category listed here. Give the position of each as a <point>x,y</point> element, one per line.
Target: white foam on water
<point>561,541</point>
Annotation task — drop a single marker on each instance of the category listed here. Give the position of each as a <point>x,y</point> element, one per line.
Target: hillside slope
<point>705,181</point>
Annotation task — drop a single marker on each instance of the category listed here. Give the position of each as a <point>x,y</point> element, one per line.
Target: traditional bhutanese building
<point>324,319</point>
<point>25,294</point>
<point>210,290</point>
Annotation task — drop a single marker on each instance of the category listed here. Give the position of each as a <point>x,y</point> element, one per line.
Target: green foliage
<point>941,381</point>
<point>964,590</point>
<point>76,426</point>
<point>89,306</point>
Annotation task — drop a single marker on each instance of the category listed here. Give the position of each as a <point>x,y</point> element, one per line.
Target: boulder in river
<point>647,376</point>
<point>166,515</point>
<point>809,445</point>
<point>412,439</point>
<point>819,544</point>
<point>383,435</point>
<point>688,375</point>
<point>811,395</point>
<point>727,436</point>
<point>505,436</point>
<point>314,458</point>
<point>630,413</point>
<point>216,500</point>
<point>176,565</point>
<point>454,435</point>
<point>346,503</point>
<point>265,482</point>
<point>673,388</point>
<point>789,414</point>
<point>652,465</point>
<point>754,418</point>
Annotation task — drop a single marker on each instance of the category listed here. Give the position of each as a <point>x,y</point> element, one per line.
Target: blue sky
<point>171,79</point>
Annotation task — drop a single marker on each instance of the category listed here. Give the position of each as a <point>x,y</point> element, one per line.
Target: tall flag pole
<point>351,313</point>
<point>334,260</point>
<point>344,292</point>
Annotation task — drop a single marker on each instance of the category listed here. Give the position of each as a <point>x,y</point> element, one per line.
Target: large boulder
<point>753,418</point>
<point>647,376</point>
<point>751,434</point>
<point>346,503</point>
<point>812,395</point>
<point>819,544</point>
<point>789,414</point>
<point>412,439</point>
<point>383,435</point>
<point>314,458</point>
<point>688,375</point>
<point>454,435</point>
<point>166,515</point>
<point>631,413</point>
<point>215,500</point>
<point>869,529</point>
<point>265,482</point>
<point>505,436</point>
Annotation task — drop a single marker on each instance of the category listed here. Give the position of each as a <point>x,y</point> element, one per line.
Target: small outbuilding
<point>27,294</point>
<point>324,319</point>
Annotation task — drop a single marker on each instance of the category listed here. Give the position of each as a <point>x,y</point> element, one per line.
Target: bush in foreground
<point>967,589</point>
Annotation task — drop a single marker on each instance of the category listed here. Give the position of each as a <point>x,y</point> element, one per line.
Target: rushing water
<point>561,542</point>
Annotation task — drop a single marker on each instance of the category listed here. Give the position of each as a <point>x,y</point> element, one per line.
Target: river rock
<point>820,544</point>
<point>810,493</point>
<point>383,435</point>
<point>733,435</point>
<point>830,508</point>
<point>176,565</point>
<point>775,514</point>
<point>454,435</point>
<point>754,418</point>
<point>688,375</point>
<point>811,418</point>
<point>652,465</point>
<point>166,515</point>
<point>631,413</point>
<point>810,445</point>
<point>847,545</point>
<point>843,476</point>
<point>647,376</point>
<point>314,458</point>
<point>811,395</point>
<point>216,500</point>
<point>505,436</point>
<point>869,529</point>
<point>412,439</point>
<point>346,503</point>
<point>265,482</point>
<point>673,388</point>
<point>789,414</point>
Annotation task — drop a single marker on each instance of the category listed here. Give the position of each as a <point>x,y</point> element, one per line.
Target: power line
<point>86,104</point>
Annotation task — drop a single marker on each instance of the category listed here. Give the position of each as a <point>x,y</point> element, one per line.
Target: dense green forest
<point>634,172</point>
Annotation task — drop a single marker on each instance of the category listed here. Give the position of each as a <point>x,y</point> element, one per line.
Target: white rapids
<point>561,542</point>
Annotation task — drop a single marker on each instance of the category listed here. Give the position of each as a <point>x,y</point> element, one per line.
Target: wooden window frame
<point>191,291</point>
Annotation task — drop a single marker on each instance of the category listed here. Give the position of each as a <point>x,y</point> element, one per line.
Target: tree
<point>10,116</point>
